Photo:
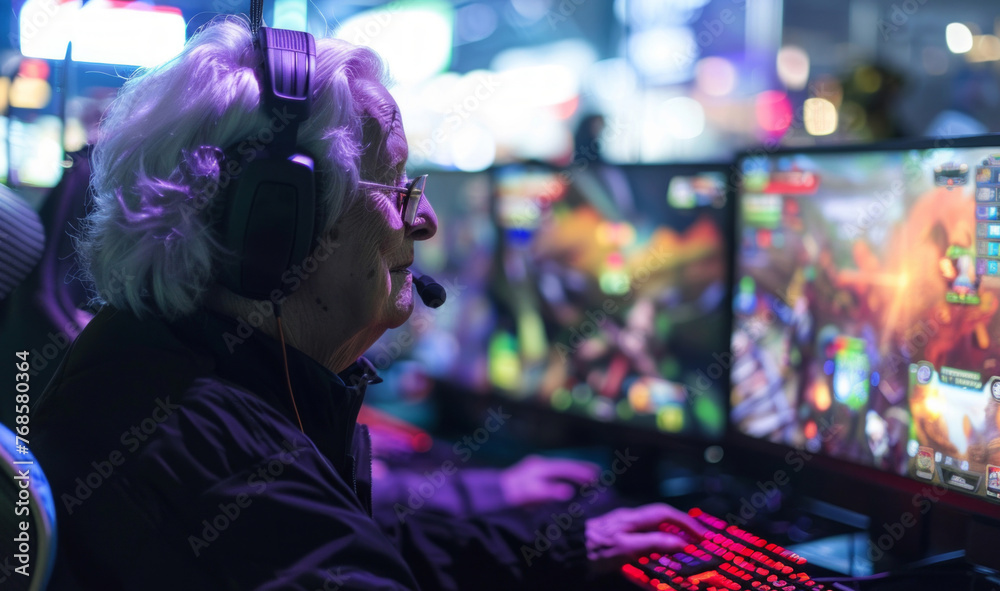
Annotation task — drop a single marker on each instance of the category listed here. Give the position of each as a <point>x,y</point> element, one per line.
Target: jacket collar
<point>327,403</point>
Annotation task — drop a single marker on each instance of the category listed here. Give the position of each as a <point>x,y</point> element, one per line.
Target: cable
<point>256,15</point>
<point>284,356</point>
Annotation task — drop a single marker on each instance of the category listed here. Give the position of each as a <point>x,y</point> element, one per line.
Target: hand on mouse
<point>537,479</point>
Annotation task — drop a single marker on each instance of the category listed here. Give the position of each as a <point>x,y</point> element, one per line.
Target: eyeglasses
<point>412,193</point>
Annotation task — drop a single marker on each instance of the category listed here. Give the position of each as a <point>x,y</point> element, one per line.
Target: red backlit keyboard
<point>728,559</point>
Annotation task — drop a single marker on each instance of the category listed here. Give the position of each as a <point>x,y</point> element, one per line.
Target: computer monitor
<point>612,292</point>
<point>865,325</point>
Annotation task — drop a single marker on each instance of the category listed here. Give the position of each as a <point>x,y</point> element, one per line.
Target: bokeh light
<point>715,76</point>
<point>793,67</point>
<point>774,111</point>
<point>684,117</point>
<point>819,116</point>
<point>958,38</point>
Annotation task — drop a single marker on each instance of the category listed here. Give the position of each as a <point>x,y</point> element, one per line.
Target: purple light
<point>303,160</point>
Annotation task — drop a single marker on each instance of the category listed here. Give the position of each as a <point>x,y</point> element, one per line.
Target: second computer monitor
<point>612,285</point>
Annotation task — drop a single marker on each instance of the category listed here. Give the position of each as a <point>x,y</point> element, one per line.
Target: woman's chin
<point>403,302</point>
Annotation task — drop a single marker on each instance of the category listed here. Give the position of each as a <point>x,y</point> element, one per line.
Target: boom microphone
<point>431,293</point>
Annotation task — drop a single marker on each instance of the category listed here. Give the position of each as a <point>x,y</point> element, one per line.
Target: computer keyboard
<point>727,559</point>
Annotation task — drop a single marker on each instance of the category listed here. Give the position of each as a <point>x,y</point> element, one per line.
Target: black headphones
<point>268,210</point>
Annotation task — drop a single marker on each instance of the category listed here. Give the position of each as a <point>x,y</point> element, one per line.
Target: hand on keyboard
<point>726,559</point>
<point>627,533</point>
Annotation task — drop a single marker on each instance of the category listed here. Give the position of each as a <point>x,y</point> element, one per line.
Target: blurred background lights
<point>290,14</point>
<point>624,410</point>
<point>576,55</point>
<point>684,117</point>
<point>441,85</point>
<point>504,364</point>
<point>828,87</point>
<point>102,31</point>
<point>670,418</point>
<point>793,67</point>
<point>531,10</point>
<point>582,393</point>
<point>473,148</point>
<point>985,48</point>
<point>413,38</point>
<point>562,399</point>
<point>616,234</point>
<point>30,68</point>
<point>538,85</point>
<point>867,79</point>
<point>46,27</point>
<point>474,22</point>
<point>958,37</point>
<point>646,11</point>
<point>491,82</point>
<point>133,34</point>
<point>934,60</point>
<point>773,111</point>
<point>602,409</point>
<point>609,81</point>
<point>664,55</point>
<point>613,279</point>
<point>539,137</point>
<point>714,454</point>
<point>819,116</point>
<point>715,76</point>
<point>39,160</point>
<point>29,93</point>
<point>638,396</point>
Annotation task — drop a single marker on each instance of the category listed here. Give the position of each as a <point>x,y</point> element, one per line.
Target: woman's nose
<point>425,225</point>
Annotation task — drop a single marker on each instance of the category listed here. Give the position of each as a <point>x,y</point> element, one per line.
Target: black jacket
<point>176,462</point>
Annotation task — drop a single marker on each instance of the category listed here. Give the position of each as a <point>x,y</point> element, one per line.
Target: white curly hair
<point>148,246</point>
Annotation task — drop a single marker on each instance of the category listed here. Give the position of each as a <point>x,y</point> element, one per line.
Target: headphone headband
<point>289,62</point>
<point>270,208</point>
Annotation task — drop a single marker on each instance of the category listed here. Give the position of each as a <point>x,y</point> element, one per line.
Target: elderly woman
<point>201,439</point>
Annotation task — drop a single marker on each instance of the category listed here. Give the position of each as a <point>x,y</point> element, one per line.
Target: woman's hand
<point>537,479</point>
<point>625,534</point>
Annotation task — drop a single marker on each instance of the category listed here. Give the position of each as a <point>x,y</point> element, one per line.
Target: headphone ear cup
<point>268,223</point>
